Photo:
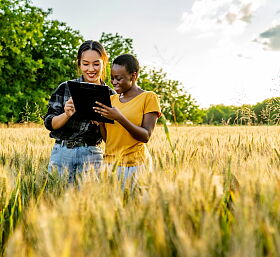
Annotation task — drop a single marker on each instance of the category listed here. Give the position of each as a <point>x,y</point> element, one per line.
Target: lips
<point>92,75</point>
<point>117,89</point>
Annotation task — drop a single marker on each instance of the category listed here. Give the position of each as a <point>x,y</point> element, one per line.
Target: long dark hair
<point>96,46</point>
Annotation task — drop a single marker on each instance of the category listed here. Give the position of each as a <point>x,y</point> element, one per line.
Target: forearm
<point>59,121</point>
<point>139,133</point>
<point>103,131</point>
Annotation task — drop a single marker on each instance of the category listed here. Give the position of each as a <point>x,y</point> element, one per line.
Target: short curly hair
<point>129,61</point>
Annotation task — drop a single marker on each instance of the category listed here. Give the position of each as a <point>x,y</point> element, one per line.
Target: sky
<point>222,51</point>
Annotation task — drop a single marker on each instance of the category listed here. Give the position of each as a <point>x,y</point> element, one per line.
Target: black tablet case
<point>84,96</point>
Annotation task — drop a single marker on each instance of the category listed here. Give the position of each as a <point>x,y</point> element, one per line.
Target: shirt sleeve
<point>152,104</point>
<point>55,107</point>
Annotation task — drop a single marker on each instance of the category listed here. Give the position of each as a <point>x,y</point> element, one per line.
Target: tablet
<point>85,95</point>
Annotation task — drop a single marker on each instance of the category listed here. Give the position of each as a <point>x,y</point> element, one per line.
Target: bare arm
<point>142,133</point>
<point>60,120</point>
<point>103,130</point>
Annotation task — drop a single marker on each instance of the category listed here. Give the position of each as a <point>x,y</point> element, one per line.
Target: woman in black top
<point>76,141</point>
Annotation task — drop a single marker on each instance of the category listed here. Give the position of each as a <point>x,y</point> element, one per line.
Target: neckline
<point>130,99</point>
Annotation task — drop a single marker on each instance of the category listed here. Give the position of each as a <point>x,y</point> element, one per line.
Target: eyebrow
<point>116,76</point>
<point>89,61</point>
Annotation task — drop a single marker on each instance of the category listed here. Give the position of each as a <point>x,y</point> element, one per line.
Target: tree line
<point>266,112</point>
<point>37,54</point>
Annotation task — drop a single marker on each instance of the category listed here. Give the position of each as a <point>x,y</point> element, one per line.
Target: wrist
<point>120,119</point>
<point>66,116</point>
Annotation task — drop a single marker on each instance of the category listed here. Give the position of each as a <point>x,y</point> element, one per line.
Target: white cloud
<point>216,15</point>
<point>270,38</point>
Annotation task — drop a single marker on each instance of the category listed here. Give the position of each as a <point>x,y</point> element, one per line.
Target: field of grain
<point>213,191</point>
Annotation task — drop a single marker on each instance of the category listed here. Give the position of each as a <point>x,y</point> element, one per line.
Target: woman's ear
<point>134,76</point>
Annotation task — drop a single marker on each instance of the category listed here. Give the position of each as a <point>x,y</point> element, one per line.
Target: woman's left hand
<point>111,113</point>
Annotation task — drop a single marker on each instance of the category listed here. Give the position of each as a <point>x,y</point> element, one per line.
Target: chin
<point>92,80</point>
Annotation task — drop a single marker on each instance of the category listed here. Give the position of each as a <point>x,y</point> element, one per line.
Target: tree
<point>220,114</point>
<point>116,45</point>
<point>268,111</point>
<point>245,115</point>
<point>36,55</point>
<point>265,112</point>
<point>177,105</point>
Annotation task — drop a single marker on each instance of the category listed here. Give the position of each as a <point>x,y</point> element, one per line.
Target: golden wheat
<point>215,191</point>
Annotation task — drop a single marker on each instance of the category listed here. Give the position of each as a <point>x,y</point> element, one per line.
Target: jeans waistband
<point>73,143</point>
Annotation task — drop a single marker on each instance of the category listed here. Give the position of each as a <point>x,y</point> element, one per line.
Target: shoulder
<point>61,88</point>
<point>65,83</point>
<point>152,103</point>
<point>150,95</point>
<point>80,79</point>
<point>114,96</point>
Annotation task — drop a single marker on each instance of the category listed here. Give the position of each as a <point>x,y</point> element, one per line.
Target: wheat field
<point>213,191</point>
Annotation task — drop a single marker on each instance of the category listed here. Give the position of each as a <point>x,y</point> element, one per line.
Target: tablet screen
<point>84,97</point>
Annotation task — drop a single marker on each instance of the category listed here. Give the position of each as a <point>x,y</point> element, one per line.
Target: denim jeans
<point>124,174</point>
<point>75,160</point>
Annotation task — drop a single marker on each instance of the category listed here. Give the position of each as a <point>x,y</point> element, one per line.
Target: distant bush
<point>266,112</point>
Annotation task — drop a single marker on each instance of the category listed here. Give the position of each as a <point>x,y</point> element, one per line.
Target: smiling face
<point>91,66</point>
<point>121,79</point>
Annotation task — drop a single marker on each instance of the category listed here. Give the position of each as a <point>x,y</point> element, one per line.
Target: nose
<point>91,67</point>
<point>114,81</point>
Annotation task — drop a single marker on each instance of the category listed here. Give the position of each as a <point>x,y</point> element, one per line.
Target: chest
<point>132,110</point>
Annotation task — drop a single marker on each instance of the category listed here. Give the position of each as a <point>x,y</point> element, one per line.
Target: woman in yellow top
<point>135,112</point>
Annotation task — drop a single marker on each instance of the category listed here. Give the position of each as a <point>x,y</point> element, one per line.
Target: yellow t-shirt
<point>121,147</point>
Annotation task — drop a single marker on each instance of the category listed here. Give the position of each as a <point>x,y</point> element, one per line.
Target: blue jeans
<point>125,174</point>
<point>75,160</point>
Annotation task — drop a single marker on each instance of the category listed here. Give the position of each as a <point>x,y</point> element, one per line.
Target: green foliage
<point>245,115</point>
<point>219,114</point>
<point>265,112</point>
<point>176,104</point>
<point>116,45</point>
<point>36,55</point>
<point>268,111</point>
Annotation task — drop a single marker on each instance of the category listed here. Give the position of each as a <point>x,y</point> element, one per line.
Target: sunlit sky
<point>222,51</point>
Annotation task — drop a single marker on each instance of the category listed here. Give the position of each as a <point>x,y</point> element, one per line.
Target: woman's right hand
<point>69,108</point>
